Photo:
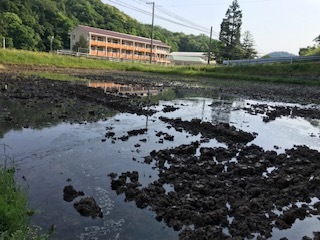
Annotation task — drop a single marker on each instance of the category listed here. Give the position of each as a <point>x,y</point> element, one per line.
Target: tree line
<point>311,50</point>
<point>39,25</point>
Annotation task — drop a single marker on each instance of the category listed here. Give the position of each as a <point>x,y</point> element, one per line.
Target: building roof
<point>190,54</point>
<point>121,35</point>
<point>187,59</point>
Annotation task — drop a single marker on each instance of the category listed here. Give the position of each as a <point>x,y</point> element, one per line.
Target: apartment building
<point>120,46</point>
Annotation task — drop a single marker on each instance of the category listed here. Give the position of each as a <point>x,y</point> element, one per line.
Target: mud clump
<point>273,112</point>
<point>223,132</point>
<point>69,193</point>
<point>88,207</point>
<point>227,188</point>
<point>168,108</point>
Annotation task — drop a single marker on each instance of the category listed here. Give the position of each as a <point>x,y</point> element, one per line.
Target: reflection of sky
<point>284,132</point>
<point>49,156</point>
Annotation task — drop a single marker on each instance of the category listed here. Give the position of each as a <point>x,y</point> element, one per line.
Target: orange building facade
<point>120,46</point>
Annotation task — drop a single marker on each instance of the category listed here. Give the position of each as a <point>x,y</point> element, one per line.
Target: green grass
<point>297,73</point>
<point>14,210</point>
<point>13,206</point>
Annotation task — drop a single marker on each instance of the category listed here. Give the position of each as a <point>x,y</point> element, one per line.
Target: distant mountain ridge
<point>279,54</point>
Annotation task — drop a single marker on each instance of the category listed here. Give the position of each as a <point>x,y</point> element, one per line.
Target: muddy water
<point>82,156</point>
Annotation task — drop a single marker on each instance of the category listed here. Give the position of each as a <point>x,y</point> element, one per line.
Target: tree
<point>230,32</point>
<point>82,43</point>
<point>317,40</point>
<point>22,36</point>
<point>248,46</point>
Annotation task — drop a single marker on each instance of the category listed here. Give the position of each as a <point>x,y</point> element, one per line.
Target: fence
<point>80,54</point>
<point>271,60</point>
<point>113,59</point>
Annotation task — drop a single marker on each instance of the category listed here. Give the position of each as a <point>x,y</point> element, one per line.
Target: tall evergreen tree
<point>248,46</point>
<point>230,32</point>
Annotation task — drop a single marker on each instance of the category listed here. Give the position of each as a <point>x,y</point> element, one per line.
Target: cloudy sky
<point>276,25</point>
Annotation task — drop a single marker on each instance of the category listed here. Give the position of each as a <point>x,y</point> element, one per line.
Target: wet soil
<point>227,188</point>
<point>69,193</point>
<point>88,207</point>
<point>219,193</point>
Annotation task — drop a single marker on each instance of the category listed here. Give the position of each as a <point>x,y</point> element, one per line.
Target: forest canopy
<point>31,24</point>
<point>41,24</point>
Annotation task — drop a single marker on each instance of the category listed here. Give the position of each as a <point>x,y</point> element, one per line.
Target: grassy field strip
<point>297,73</point>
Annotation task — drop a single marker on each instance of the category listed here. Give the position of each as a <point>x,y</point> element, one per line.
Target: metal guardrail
<point>271,60</point>
<point>71,53</point>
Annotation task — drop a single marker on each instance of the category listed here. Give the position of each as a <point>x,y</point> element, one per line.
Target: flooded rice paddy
<point>84,154</point>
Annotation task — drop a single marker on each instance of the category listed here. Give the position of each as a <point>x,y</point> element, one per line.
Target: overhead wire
<point>194,27</point>
<point>178,19</point>
<point>175,16</point>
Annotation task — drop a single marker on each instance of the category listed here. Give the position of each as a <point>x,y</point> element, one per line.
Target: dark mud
<point>88,207</point>
<point>69,193</point>
<point>273,112</point>
<point>206,193</point>
<point>227,192</point>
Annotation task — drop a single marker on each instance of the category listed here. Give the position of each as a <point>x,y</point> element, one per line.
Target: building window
<point>115,41</point>
<point>101,39</point>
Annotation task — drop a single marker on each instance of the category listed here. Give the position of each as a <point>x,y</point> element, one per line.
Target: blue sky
<point>276,25</point>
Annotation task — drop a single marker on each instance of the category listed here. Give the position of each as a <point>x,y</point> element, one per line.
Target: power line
<point>194,27</point>
<point>178,20</point>
<point>213,4</point>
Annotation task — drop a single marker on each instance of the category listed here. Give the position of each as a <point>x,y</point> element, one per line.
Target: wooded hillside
<point>30,24</point>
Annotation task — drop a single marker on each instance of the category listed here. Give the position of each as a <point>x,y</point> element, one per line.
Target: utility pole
<point>209,49</point>
<point>4,43</point>
<point>152,31</point>
<point>51,39</point>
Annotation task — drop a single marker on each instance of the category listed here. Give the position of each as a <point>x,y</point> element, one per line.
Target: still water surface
<point>54,157</point>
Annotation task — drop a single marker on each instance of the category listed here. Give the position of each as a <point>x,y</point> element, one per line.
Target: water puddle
<point>51,157</point>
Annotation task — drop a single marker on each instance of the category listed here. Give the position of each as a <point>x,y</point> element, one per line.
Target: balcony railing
<point>115,56</point>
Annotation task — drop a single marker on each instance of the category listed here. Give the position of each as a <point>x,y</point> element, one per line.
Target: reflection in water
<point>36,115</point>
<point>125,89</point>
<point>221,109</point>
<point>49,156</point>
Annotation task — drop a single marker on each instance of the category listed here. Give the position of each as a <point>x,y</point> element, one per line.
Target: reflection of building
<point>220,112</point>
<point>222,107</point>
<point>125,89</point>
<point>120,46</point>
